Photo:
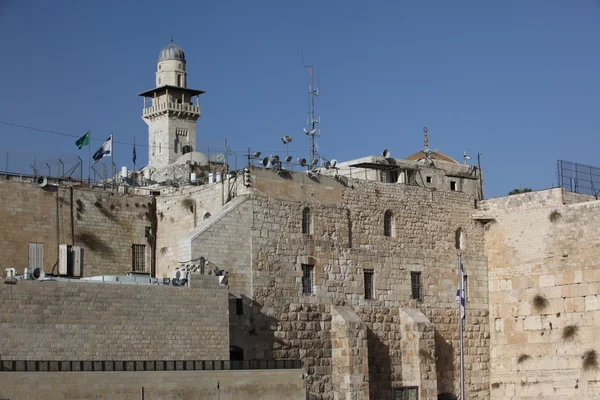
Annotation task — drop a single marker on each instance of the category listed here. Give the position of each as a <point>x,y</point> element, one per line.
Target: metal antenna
<point>425,138</point>
<point>311,130</point>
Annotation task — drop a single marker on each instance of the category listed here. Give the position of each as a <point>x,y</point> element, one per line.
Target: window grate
<point>138,257</point>
<point>415,285</point>
<point>307,278</point>
<point>368,277</point>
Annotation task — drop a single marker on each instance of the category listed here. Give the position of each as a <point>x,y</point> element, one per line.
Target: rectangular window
<point>428,179</point>
<point>453,186</point>
<point>368,277</point>
<point>307,278</point>
<point>415,285</point>
<point>36,255</point>
<point>406,393</point>
<point>138,258</point>
<point>239,307</point>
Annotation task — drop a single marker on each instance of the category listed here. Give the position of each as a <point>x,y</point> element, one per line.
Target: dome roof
<point>171,52</point>
<point>195,157</point>
<point>420,155</point>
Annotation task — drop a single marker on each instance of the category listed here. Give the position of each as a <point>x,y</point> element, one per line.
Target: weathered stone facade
<point>104,223</point>
<point>347,238</point>
<point>543,260</point>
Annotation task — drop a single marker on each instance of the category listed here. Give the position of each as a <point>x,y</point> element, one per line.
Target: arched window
<point>207,215</point>
<point>186,149</point>
<point>178,80</point>
<point>306,221</point>
<point>388,223</point>
<point>458,239</point>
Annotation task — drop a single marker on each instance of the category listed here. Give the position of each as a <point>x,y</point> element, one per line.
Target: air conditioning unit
<point>77,261</point>
<point>64,259</point>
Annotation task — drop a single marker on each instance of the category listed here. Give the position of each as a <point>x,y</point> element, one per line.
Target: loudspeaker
<point>38,274</point>
<point>41,181</point>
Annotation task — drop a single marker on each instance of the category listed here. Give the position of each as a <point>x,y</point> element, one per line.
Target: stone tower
<point>170,110</point>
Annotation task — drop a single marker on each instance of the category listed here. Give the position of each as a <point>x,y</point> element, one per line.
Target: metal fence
<point>578,178</point>
<point>153,365</point>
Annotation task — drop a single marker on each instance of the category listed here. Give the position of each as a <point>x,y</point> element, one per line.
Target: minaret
<point>169,110</point>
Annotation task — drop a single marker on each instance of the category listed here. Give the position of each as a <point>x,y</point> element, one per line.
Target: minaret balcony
<point>177,108</point>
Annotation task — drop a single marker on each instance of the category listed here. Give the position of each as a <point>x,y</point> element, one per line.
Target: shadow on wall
<point>380,367</point>
<point>251,333</point>
<point>444,364</point>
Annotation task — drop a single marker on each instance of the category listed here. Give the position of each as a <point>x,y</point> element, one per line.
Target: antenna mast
<point>311,130</point>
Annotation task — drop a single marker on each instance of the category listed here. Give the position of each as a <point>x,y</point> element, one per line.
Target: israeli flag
<point>460,293</point>
<point>105,150</point>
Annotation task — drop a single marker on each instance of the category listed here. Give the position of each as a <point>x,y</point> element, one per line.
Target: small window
<point>388,223</point>
<point>239,307</point>
<point>465,285</point>
<point>159,66</point>
<point>307,278</point>
<point>159,148</point>
<point>453,186</point>
<point>138,257</point>
<point>179,66</point>
<point>179,80</point>
<point>428,179</point>
<point>306,221</point>
<point>207,215</point>
<point>406,393</point>
<point>159,81</point>
<point>458,239</point>
<point>368,277</point>
<point>415,285</point>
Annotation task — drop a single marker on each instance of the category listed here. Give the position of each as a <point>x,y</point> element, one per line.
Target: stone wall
<point>543,260</point>
<point>104,223</point>
<point>95,321</point>
<point>181,211</point>
<point>347,238</point>
<point>182,385</point>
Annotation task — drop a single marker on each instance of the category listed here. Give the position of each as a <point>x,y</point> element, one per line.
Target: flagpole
<point>134,157</point>
<point>114,164</point>
<point>89,156</point>
<point>460,315</point>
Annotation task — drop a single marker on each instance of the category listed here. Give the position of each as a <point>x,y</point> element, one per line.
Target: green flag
<point>83,141</point>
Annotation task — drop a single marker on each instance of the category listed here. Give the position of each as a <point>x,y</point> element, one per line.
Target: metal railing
<point>578,178</point>
<point>152,365</point>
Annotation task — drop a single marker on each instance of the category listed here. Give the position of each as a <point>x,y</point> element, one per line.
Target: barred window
<point>368,277</point>
<point>138,257</point>
<point>306,221</point>
<point>388,223</point>
<point>406,393</point>
<point>415,285</point>
<point>307,278</point>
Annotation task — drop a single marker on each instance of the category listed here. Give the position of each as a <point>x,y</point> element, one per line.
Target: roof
<point>171,52</point>
<point>149,93</point>
<point>420,155</point>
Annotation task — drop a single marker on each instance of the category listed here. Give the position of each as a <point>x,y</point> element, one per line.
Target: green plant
<point>570,332</point>
<point>522,358</point>
<point>519,191</point>
<point>590,360</point>
<point>539,302</point>
<point>188,203</point>
<point>554,216</point>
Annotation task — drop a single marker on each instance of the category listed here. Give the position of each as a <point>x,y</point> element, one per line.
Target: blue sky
<point>517,81</point>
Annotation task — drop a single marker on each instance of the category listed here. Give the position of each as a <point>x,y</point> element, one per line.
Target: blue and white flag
<point>460,296</point>
<point>105,150</point>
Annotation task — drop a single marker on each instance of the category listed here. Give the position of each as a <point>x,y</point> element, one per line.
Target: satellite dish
<point>327,164</point>
<point>42,181</point>
<point>38,274</point>
<point>218,157</point>
<point>266,162</point>
<point>386,153</point>
<point>333,163</point>
<point>302,162</point>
